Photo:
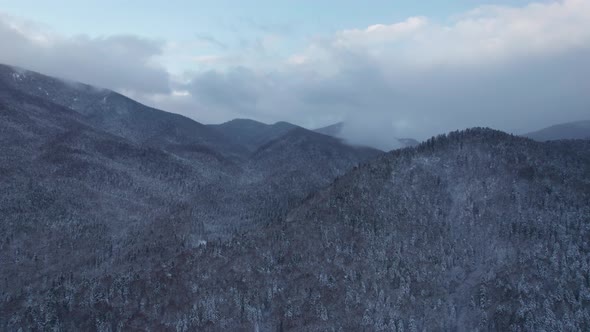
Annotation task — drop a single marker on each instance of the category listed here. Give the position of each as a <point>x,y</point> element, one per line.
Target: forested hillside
<point>95,184</point>
<point>105,229</point>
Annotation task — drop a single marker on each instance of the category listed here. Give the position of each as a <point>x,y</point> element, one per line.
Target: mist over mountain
<point>570,130</point>
<point>116,216</point>
<point>331,130</point>
<point>365,135</point>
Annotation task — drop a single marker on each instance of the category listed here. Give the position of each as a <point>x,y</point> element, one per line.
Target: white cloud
<point>380,33</point>
<point>480,36</point>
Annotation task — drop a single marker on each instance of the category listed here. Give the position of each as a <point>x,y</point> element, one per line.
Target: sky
<point>386,68</point>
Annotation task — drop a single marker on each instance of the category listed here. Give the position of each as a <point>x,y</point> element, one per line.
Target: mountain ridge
<point>569,130</point>
<point>117,114</point>
<point>471,230</point>
<point>252,134</point>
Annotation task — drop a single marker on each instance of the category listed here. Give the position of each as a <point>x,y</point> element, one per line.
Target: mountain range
<point>115,216</point>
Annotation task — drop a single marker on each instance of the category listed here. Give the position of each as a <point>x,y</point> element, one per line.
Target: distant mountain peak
<point>252,134</point>
<point>484,135</point>
<point>243,121</point>
<point>569,130</point>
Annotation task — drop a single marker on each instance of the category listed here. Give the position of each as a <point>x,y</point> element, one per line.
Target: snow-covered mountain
<point>118,115</point>
<point>117,216</point>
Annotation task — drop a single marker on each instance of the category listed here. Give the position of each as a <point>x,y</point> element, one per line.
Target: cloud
<point>512,68</point>
<point>480,36</point>
<point>237,89</point>
<point>379,34</point>
<point>123,63</point>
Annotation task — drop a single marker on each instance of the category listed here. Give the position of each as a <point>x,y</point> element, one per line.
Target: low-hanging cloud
<point>123,63</point>
<point>515,69</point>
